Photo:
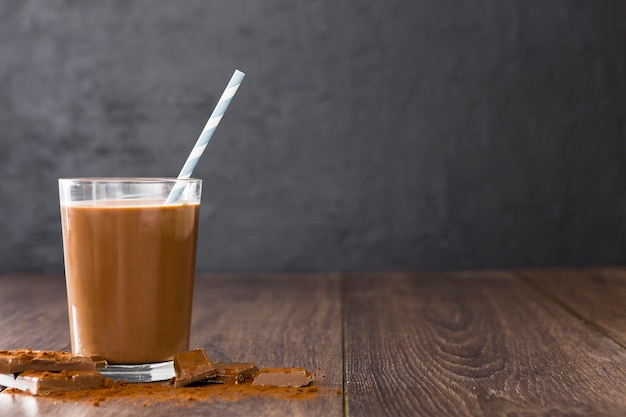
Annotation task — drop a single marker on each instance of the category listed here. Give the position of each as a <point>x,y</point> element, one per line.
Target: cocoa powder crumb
<point>153,393</point>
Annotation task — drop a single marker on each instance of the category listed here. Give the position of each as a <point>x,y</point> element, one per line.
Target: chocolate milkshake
<point>129,267</point>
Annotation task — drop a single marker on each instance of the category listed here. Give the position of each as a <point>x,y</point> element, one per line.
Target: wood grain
<point>272,320</point>
<point>33,312</point>
<point>462,344</point>
<point>475,344</point>
<point>597,295</point>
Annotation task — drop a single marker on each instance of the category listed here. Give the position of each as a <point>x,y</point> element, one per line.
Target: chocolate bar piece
<point>192,366</point>
<point>44,382</point>
<point>283,377</point>
<point>20,360</point>
<point>234,373</point>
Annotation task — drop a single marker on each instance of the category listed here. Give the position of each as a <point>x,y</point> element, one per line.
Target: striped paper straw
<point>205,136</point>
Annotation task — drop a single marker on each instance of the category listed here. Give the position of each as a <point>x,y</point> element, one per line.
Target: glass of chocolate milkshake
<point>129,267</point>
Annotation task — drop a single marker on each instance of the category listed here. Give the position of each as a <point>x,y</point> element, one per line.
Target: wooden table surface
<point>504,343</point>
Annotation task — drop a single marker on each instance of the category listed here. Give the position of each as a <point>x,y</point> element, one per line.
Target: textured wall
<point>401,134</point>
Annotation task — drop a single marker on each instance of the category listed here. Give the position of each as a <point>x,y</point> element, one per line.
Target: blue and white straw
<point>205,136</point>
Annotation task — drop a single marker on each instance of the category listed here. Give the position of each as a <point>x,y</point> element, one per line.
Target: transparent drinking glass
<point>129,268</point>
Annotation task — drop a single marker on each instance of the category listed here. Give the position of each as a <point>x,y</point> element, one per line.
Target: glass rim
<point>121,180</point>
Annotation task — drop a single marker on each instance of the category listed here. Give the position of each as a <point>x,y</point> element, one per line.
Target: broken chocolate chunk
<point>99,361</point>
<point>20,360</point>
<point>283,377</point>
<point>235,373</point>
<point>192,366</point>
<point>45,382</point>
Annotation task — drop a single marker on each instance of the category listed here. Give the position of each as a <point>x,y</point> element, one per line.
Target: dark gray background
<point>367,135</point>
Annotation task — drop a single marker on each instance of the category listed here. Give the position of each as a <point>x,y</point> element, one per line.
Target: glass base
<point>149,372</point>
